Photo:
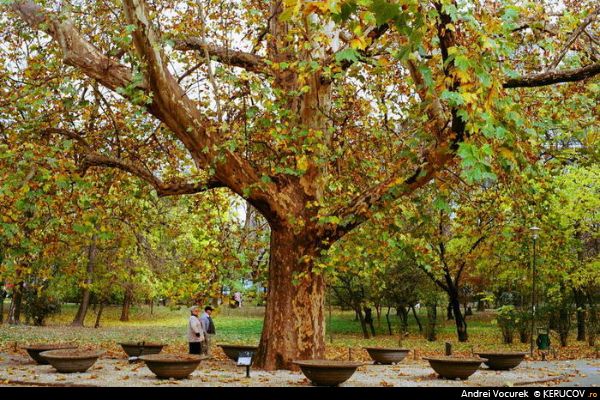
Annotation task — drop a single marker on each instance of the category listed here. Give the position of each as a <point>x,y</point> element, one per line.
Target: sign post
<point>245,360</point>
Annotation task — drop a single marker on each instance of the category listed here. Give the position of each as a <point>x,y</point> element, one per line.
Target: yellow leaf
<point>358,43</point>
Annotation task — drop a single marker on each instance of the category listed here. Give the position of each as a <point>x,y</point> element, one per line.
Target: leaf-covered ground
<point>244,326</point>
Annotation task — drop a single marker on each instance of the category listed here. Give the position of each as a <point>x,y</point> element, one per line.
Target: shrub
<point>507,317</point>
<point>38,305</point>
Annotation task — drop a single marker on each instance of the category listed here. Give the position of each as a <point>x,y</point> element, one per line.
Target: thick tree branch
<point>162,188</point>
<point>234,58</point>
<point>374,34</point>
<point>432,160</point>
<point>588,20</point>
<point>464,262</point>
<point>434,278</point>
<point>377,197</point>
<point>553,77</point>
<point>169,103</point>
<point>92,158</point>
<point>76,50</point>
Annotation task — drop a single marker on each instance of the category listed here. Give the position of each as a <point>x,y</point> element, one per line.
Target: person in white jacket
<point>195,332</point>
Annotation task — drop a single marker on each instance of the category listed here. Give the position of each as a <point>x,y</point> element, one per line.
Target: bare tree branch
<point>433,158</point>
<point>588,20</point>
<point>162,188</point>
<point>234,58</point>
<point>553,77</point>
<point>92,158</point>
<point>464,262</point>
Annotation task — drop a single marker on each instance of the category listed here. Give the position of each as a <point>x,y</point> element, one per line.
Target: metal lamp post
<point>534,234</point>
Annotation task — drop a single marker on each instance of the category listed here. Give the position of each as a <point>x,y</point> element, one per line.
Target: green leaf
<point>453,98</point>
<point>384,11</point>
<point>347,54</point>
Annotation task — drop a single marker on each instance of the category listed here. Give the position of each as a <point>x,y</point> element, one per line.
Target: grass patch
<point>244,326</point>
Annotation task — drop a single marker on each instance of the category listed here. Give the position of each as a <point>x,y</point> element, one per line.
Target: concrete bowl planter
<point>455,367</point>
<point>34,350</point>
<point>233,350</point>
<point>166,366</point>
<point>71,360</point>
<point>141,348</point>
<point>383,355</point>
<point>502,360</point>
<point>328,372</point>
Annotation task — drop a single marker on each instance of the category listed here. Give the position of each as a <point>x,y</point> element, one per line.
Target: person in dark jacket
<point>208,327</point>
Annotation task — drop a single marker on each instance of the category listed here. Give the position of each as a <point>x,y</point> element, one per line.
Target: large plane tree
<point>318,113</point>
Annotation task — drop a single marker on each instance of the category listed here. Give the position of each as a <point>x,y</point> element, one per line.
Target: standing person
<point>195,331</point>
<point>237,297</point>
<point>208,327</point>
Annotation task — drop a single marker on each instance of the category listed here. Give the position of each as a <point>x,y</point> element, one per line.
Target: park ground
<point>574,365</point>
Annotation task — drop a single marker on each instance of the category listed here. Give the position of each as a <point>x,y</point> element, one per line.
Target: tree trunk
<point>14,311</point>
<point>581,313</point>
<point>417,319</point>
<point>593,323</point>
<point>449,314</point>
<point>294,326</point>
<point>97,324</point>
<point>430,333</point>
<point>126,305</point>
<point>564,316</point>
<point>461,323</point>
<point>403,315</point>
<point>563,325</point>
<point>387,318</point>
<point>85,300</point>
<point>363,323</point>
<point>2,297</point>
<point>480,305</point>
<point>553,320</point>
<point>369,320</point>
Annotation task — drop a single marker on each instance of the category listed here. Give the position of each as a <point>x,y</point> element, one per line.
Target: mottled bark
<point>294,317</point>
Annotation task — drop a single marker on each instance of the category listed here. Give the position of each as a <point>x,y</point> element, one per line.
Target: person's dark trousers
<point>195,347</point>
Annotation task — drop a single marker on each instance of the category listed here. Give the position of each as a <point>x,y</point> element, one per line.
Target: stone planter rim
<point>172,358</point>
<point>142,344</point>
<point>462,360</point>
<point>398,349</point>
<point>49,346</point>
<point>319,363</point>
<point>502,353</point>
<point>238,346</point>
<point>69,354</point>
